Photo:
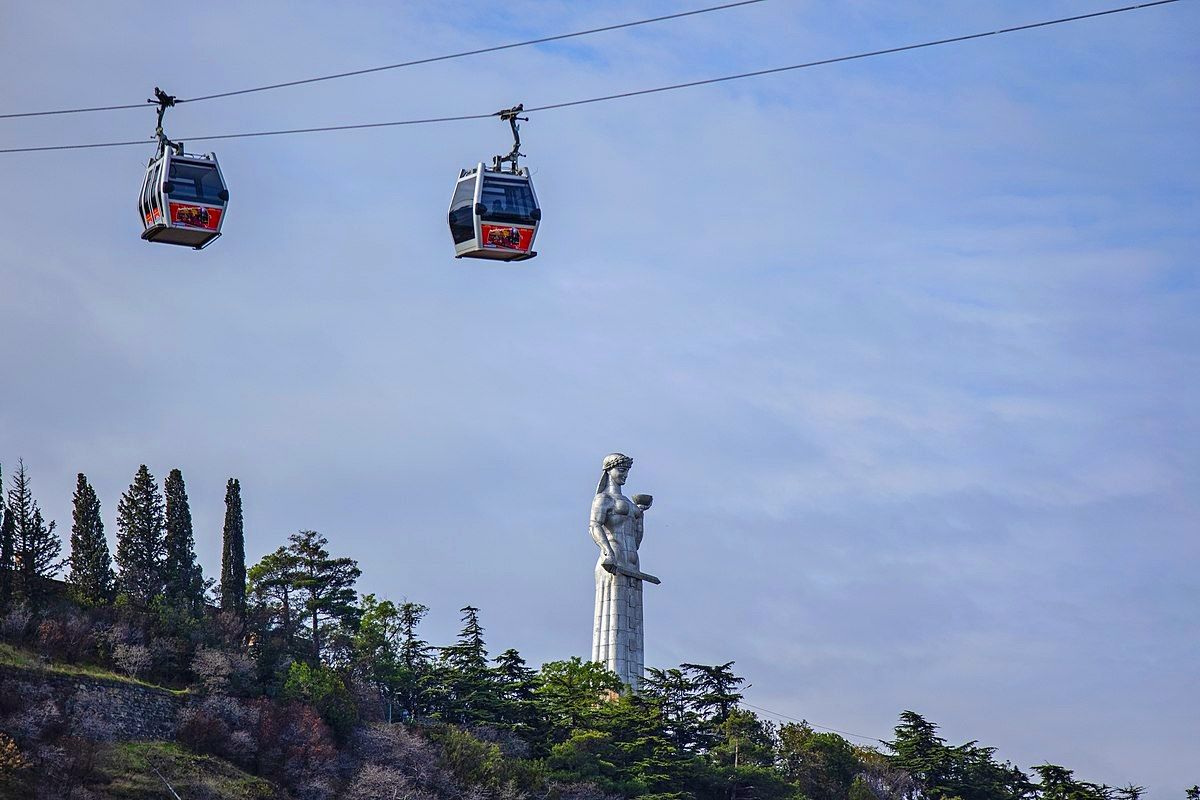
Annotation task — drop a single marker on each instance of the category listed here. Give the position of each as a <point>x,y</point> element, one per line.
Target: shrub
<point>132,659</point>
<point>202,732</point>
<point>324,690</point>
<point>15,623</point>
<point>222,671</point>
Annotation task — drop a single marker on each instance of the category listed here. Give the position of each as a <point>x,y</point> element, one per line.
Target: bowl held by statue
<point>643,500</point>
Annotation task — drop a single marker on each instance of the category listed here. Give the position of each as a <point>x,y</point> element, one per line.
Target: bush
<point>324,690</point>
<point>222,671</point>
<point>132,659</point>
<point>202,732</point>
<point>15,624</point>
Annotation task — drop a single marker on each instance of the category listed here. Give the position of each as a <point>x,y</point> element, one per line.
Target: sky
<point>906,349</point>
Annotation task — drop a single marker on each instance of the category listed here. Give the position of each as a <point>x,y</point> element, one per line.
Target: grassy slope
<point>17,657</point>
<point>128,775</point>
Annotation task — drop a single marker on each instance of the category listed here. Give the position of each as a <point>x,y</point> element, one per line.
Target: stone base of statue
<point>616,525</point>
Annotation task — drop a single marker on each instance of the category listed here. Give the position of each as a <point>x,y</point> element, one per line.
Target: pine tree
<point>92,579</point>
<point>35,546</point>
<point>183,581</point>
<point>233,553</point>
<point>140,524</point>
<point>324,587</point>
<point>7,535</point>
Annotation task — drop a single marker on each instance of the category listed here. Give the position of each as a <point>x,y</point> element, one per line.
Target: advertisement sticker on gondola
<point>195,216</point>
<point>507,237</point>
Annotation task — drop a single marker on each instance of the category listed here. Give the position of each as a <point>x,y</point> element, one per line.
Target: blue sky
<point>905,348</point>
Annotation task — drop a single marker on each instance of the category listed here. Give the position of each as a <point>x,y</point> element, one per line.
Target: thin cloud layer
<point>905,348</point>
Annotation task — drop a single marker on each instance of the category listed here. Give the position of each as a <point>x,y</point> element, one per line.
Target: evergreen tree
<point>233,553</point>
<point>514,684</point>
<point>35,546</point>
<point>183,580</point>
<point>414,673</point>
<point>140,533</point>
<point>570,693</point>
<point>92,579</point>
<point>325,589</point>
<point>272,619</point>
<point>464,678</point>
<point>7,536</point>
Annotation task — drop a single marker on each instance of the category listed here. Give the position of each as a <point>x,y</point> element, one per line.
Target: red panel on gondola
<point>507,237</point>
<point>195,216</point>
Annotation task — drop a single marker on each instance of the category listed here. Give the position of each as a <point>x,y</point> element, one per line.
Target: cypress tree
<point>35,546</point>
<point>140,526</point>
<point>233,553</point>
<point>6,550</point>
<point>91,575</point>
<point>183,580</point>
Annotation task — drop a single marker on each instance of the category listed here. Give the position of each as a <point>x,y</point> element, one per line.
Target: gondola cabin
<point>494,214</point>
<point>183,199</point>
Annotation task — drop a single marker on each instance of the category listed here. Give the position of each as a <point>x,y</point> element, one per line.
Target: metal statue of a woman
<point>616,526</point>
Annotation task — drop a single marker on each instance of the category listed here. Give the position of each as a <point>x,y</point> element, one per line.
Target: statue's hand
<point>608,562</point>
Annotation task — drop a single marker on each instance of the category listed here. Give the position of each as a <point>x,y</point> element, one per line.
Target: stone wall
<point>94,707</point>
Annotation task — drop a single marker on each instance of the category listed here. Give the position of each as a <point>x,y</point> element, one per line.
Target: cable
<point>815,725</point>
<point>621,95</point>
<point>463,54</point>
<point>840,59</point>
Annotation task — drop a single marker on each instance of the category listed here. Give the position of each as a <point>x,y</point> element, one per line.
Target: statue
<point>617,526</point>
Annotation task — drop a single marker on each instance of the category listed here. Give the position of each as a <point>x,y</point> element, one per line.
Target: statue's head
<point>616,469</point>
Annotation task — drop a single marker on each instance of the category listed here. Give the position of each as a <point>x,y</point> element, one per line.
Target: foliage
<point>35,547</point>
<point>233,552</point>
<point>141,525</point>
<point>324,587</point>
<point>7,543</point>
<point>92,579</point>
<point>183,580</point>
<point>323,689</point>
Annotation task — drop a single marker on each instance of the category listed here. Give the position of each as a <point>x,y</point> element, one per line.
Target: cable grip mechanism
<point>164,101</point>
<point>512,116</point>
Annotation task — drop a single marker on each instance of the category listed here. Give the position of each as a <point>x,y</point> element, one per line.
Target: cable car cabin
<point>183,199</point>
<point>494,215</point>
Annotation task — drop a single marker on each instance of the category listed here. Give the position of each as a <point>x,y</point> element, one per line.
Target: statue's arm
<point>639,530</point>
<point>601,507</point>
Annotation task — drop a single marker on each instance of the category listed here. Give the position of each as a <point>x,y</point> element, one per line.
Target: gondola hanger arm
<point>164,101</point>
<point>513,116</point>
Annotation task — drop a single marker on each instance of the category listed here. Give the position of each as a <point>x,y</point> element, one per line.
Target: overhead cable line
<point>402,64</point>
<point>621,95</point>
<point>813,724</point>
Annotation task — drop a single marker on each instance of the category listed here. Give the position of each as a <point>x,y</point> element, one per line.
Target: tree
<point>324,587</point>
<point>377,648</point>
<point>413,677</point>
<point>183,580</point>
<point>35,546</point>
<point>822,765</point>
<point>1058,783</point>
<point>233,553</point>
<point>271,585</point>
<point>514,684</point>
<point>464,678</point>
<point>571,692</point>
<point>140,534</point>
<point>92,579</point>
<point>7,542</point>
